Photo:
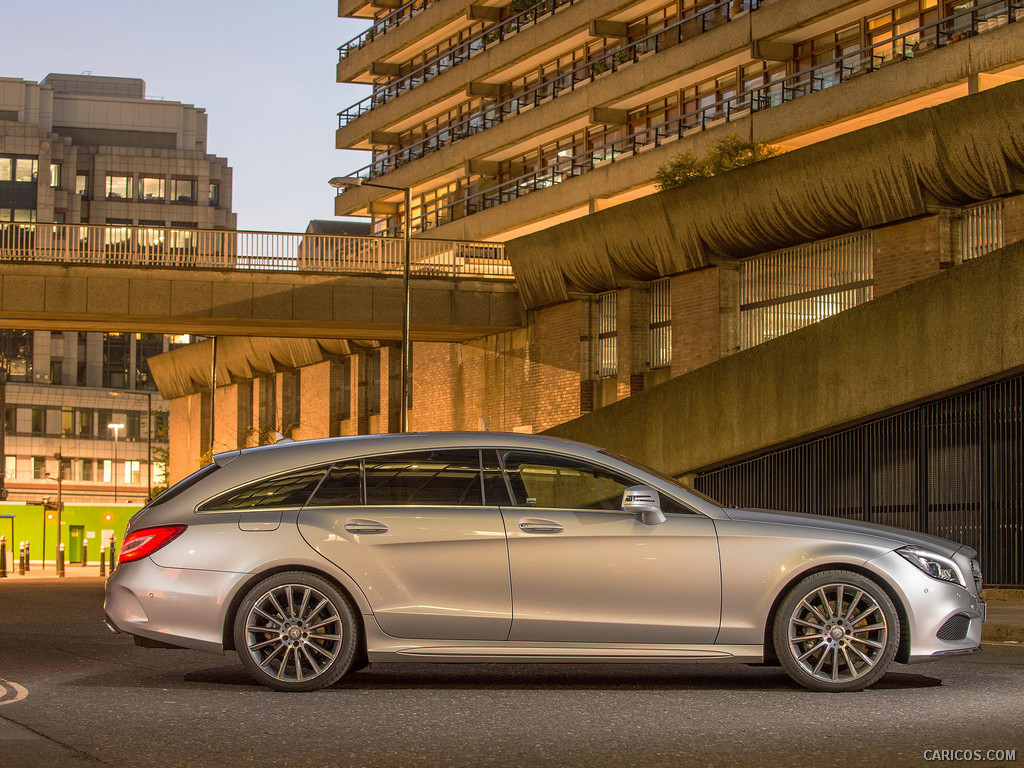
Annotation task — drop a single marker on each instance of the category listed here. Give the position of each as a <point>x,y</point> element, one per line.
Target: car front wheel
<point>836,631</point>
<point>295,631</point>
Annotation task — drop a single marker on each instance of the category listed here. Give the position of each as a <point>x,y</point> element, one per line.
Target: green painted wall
<point>29,522</point>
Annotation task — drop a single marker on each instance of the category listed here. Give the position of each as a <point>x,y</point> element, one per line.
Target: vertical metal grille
<point>660,332</point>
<point>982,229</point>
<point>787,290</point>
<point>953,468</point>
<point>607,333</point>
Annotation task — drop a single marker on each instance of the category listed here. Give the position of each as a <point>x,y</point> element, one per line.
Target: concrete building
<point>85,150</point>
<point>504,118</point>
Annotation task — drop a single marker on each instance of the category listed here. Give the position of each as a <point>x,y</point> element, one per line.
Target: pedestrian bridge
<point>67,277</point>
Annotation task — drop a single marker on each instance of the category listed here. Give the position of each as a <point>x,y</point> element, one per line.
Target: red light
<point>143,543</point>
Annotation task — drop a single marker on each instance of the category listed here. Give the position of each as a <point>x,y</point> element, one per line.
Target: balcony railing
<point>122,246</point>
<point>383,25</point>
<point>985,17</point>
<point>611,61</point>
<point>465,50</point>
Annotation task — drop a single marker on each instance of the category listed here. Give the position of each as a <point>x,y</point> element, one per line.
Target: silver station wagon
<point>313,559</point>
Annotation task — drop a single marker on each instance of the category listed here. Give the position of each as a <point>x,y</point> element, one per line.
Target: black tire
<point>836,631</point>
<point>295,631</point>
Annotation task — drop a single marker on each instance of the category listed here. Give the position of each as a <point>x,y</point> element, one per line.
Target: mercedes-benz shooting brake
<point>312,559</point>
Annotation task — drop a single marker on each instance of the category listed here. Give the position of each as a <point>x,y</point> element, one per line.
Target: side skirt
<point>384,648</point>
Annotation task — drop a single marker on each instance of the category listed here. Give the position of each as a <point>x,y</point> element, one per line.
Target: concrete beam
<point>212,302</point>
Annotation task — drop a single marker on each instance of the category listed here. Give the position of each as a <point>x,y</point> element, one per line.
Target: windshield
<point>660,475</point>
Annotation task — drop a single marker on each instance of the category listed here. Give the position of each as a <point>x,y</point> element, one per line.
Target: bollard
<point>21,559</point>
<point>28,556</point>
<point>60,561</point>
<point>85,553</point>
<point>3,557</point>
<point>103,561</point>
<point>112,552</point>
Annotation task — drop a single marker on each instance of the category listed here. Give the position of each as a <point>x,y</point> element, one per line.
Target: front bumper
<point>942,618</point>
<point>179,607</point>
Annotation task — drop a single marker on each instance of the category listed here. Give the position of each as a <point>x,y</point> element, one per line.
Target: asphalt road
<point>73,694</point>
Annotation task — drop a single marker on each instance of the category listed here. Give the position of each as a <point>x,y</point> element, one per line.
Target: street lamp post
<point>341,182</point>
<point>113,467</point>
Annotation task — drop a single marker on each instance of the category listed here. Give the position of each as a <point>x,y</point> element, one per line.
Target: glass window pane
<point>6,168</point>
<point>288,490</point>
<point>495,488</point>
<point>54,174</point>
<point>26,169</point>
<point>429,477</point>
<point>81,184</point>
<point>342,487</point>
<point>152,189</point>
<point>557,482</point>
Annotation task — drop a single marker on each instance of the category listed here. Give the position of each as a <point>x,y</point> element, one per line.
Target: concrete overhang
<point>963,151</point>
<point>251,303</point>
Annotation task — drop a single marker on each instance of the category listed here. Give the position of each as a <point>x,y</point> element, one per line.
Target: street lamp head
<point>340,182</point>
<point>115,426</point>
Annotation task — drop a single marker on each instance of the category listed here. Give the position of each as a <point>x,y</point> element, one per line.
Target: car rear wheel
<point>836,631</point>
<point>295,631</point>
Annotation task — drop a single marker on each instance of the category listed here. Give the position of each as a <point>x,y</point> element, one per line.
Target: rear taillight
<point>145,542</point>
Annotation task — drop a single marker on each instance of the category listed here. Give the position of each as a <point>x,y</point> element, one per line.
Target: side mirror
<point>644,501</point>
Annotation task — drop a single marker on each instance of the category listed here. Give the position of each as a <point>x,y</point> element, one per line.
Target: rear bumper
<point>173,606</point>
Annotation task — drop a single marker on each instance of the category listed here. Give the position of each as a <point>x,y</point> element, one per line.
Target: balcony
<point>567,81</point>
<point>487,38</point>
<point>964,24</point>
<point>383,25</point>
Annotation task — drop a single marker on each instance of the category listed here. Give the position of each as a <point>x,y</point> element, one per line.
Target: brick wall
<point>696,319</point>
<point>632,326</point>
<point>526,379</point>
<point>188,434</point>
<point>1013,219</point>
<point>909,251</point>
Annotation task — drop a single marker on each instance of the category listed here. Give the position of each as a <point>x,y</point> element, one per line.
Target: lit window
<point>119,187</point>
<point>214,194</point>
<point>82,184</point>
<point>10,467</point>
<point>108,470</point>
<point>24,214</point>
<point>131,472</point>
<point>660,324</point>
<point>6,168</point>
<point>55,175</point>
<point>151,188</point>
<point>981,229</point>
<point>787,290</point>
<point>183,191</point>
<point>607,334</point>
<point>26,169</point>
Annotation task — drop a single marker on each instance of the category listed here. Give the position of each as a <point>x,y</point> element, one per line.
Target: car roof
<point>334,448</point>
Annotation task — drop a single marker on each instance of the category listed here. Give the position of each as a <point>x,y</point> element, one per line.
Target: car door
<point>585,571</point>
<point>413,532</point>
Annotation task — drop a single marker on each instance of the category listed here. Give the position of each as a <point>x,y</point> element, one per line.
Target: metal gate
<point>953,468</point>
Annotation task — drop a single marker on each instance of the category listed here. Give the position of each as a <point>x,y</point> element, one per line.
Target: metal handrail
<point>124,246</point>
<point>805,82</point>
<point>550,89</point>
<point>381,26</point>
<point>452,57</point>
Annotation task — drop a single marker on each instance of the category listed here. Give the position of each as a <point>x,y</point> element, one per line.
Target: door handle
<point>536,525</point>
<point>365,526</point>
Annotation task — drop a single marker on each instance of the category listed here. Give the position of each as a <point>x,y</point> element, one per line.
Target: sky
<point>263,71</point>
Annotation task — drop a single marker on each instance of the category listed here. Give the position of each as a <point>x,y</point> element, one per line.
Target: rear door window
<point>427,478</point>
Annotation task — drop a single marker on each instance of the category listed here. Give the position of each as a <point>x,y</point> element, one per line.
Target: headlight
<point>936,566</point>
